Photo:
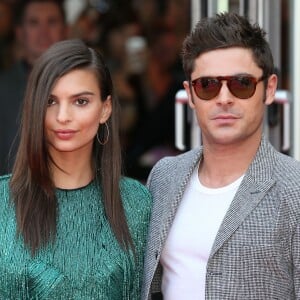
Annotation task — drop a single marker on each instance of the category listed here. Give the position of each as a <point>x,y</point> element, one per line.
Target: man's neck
<point>223,164</point>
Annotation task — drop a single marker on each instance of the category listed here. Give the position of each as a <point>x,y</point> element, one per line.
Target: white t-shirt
<point>188,245</point>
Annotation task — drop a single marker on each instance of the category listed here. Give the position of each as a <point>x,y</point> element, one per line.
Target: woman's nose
<point>63,114</point>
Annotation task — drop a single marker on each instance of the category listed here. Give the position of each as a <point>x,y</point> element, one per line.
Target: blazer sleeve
<point>296,261</point>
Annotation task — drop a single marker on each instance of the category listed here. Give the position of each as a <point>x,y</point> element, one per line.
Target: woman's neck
<point>69,172</point>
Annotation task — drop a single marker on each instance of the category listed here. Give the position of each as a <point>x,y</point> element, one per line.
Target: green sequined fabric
<point>85,261</point>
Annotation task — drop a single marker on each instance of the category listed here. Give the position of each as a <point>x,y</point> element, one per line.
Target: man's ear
<point>271,89</point>
<point>188,90</point>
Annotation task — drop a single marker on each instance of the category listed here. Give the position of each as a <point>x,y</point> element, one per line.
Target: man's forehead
<point>41,10</point>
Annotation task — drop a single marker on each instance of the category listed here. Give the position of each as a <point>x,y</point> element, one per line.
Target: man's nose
<point>224,96</point>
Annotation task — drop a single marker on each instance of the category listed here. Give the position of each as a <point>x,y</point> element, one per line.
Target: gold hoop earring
<point>104,136</point>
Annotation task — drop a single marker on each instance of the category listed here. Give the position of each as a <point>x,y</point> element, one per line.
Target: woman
<point>71,226</point>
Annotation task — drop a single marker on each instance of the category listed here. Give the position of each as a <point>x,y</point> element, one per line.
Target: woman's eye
<point>51,101</point>
<point>81,101</point>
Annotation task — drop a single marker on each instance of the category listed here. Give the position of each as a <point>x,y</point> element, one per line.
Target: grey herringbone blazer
<point>256,253</point>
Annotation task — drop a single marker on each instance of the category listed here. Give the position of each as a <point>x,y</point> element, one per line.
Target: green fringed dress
<point>85,260</point>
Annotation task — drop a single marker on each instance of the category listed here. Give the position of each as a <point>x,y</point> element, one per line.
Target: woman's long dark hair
<point>32,188</point>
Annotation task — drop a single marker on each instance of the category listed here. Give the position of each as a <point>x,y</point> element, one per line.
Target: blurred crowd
<point>141,42</point>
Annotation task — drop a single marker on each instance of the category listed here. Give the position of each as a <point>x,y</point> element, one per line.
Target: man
<point>225,221</point>
<point>40,23</point>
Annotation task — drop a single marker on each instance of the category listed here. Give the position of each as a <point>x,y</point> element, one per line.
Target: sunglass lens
<point>242,87</point>
<point>207,88</point>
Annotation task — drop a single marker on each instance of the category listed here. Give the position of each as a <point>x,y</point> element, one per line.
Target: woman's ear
<point>106,110</point>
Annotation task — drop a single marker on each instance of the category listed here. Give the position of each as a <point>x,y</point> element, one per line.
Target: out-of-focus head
<point>227,30</point>
<point>6,18</point>
<point>40,23</point>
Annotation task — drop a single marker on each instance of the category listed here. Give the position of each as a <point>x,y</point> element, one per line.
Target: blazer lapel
<point>246,199</point>
<point>181,176</point>
<point>257,181</point>
<point>166,202</point>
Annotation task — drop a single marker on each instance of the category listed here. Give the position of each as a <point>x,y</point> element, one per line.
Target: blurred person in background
<point>39,24</point>
<point>87,25</point>
<point>128,62</point>
<point>6,34</point>
<point>154,136</point>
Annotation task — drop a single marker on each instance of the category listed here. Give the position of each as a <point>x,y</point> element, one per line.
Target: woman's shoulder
<point>5,177</point>
<point>4,183</point>
<point>133,191</point>
<point>4,191</point>
<point>137,203</point>
<point>133,185</point>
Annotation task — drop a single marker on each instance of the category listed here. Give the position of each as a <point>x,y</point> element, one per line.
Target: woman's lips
<point>65,134</point>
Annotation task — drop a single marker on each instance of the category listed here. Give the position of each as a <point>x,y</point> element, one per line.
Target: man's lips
<point>225,119</point>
